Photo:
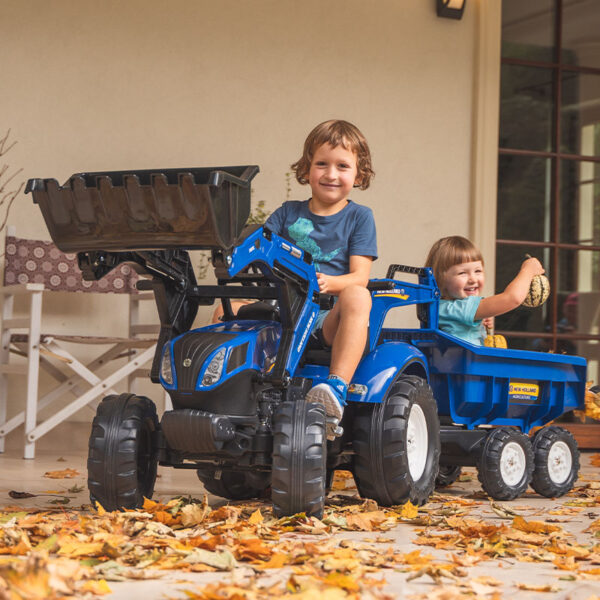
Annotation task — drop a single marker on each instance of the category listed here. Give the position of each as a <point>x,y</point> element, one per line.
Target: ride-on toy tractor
<point>238,388</point>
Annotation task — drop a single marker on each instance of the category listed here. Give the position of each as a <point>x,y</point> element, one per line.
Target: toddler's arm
<point>513,295</point>
<point>360,269</point>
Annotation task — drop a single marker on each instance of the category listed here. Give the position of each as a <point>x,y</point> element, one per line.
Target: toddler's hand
<point>323,281</point>
<point>488,323</point>
<point>533,267</point>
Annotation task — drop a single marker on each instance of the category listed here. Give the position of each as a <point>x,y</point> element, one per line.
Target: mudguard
<point>379,369</point>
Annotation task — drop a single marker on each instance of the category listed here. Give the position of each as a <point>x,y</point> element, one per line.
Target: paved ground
<point>27,476</point>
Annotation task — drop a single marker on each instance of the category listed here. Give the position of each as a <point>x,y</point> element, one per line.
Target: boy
<point>340,235</point>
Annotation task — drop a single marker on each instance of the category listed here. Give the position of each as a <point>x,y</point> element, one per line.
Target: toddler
<point>458,269</point>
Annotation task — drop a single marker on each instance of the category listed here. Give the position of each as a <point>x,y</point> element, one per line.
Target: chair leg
<point>33,372</point>
<point>7,310</point>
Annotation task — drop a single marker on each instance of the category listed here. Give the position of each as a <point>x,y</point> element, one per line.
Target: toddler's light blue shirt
<point>457,317</point>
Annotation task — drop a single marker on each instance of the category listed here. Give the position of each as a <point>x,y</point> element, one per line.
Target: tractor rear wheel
<point>397,444</point>
<point>299,459</point>
<point>506,464</point>
<point>122,457</point>
<point>556,459</point>
<point>234,485</point>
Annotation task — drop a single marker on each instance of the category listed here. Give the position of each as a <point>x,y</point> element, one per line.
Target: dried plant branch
<point>7,197</point>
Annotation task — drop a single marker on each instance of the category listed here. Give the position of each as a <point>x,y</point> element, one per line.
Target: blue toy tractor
<point>240,418</point>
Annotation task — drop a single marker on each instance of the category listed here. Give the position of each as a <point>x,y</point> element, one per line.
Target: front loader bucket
<point>200,208</point>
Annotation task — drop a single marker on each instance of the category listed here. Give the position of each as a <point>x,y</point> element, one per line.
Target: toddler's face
<point>463,280</point>
<point>332,174</point>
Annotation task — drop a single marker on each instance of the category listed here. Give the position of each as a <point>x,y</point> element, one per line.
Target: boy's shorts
<point>317,331</point>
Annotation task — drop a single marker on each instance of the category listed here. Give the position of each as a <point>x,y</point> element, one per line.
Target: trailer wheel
<point>397,444</point>
<point>122,457</point>
<point>299,459</point>
<point>506,464</point>
<point>447,475</point>
<point>556,458</point>
<point>234,485</point>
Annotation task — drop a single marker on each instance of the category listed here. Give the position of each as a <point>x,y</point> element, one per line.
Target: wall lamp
<point>451,9</point>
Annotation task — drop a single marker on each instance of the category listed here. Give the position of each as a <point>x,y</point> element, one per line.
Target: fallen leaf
<point>64,474</point>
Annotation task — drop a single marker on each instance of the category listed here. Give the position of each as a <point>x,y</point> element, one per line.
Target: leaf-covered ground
<point>459,545</point>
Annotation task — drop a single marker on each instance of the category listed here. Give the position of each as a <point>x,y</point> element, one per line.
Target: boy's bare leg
<point>345,329</point>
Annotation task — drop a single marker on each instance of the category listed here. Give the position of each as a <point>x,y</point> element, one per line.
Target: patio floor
<point>572,515</point>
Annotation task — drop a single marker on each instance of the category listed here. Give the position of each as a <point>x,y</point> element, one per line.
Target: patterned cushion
<point>33,261</point>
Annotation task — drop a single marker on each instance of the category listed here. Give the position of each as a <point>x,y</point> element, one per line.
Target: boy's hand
<point>533,267</point>
<point>324,281</point>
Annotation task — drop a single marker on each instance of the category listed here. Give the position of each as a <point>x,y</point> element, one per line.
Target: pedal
<point>333,429</point>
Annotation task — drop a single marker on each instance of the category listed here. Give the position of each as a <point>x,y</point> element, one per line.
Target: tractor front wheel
<point>122,457</point>
<point>299,459</point>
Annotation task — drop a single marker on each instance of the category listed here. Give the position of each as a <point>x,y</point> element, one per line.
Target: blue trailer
<point>421,405</point>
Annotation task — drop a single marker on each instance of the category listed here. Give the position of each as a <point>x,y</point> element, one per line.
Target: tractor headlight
<point>213,371</point>
<point>166,367</point>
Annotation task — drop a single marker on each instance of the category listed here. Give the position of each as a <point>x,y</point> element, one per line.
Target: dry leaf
<point>64,474</point>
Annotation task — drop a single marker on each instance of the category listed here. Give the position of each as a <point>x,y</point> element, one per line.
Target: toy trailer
<point>489,399</point>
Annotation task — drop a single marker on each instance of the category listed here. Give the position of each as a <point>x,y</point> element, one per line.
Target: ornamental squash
<point>539,290</point>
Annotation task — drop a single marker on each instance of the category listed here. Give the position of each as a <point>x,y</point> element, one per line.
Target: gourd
<point>539,290</point>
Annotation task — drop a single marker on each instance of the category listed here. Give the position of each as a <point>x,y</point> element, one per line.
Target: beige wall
<point>100,85</point>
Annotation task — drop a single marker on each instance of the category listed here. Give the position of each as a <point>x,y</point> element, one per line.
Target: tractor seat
<point>258,311</point>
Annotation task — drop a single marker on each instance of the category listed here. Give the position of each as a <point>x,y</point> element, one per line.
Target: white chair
<point>32,269</point>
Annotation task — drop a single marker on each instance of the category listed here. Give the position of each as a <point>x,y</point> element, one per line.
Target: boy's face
<point>463,280</point>
<point>332,175</point>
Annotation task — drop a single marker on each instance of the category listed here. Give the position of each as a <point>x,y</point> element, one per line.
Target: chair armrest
<point>22,288</point>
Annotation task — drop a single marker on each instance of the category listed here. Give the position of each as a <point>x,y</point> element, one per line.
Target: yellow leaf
<point>100,509</point>
<point>537,588</point>
<point>77,549</point>
<point>408,511</point>
<point>256,517</point>
<point>99,588</point>
<point>343,581</point>
<point>64,474</point>
<point>534,526</point>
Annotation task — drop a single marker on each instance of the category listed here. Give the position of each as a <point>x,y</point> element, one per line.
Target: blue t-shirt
<point>457,317</point>
<point>331,240</point>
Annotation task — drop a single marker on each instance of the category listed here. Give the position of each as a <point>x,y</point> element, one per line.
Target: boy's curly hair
<point>450,251</point>
<point>337,133</point>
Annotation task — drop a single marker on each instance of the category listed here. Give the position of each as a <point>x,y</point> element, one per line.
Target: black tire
<point>234,485</point>
<point>299,459</point>
<point>556,460</point>
<point>382,465</point>
<point>447,475</point>
<point>122,457</point>
<point>505,467</point>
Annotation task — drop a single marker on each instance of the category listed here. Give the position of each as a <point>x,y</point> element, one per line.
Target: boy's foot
<point>332,395</point>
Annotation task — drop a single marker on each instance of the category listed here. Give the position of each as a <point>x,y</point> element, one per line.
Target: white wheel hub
<point>417,442</point>
<point>560,462</point>
<point>512,463</point>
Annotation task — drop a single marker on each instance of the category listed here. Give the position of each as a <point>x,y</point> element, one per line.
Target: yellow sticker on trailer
<point>521,390</point>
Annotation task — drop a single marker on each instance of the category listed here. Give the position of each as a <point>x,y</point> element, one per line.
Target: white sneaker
<point>326,395</point>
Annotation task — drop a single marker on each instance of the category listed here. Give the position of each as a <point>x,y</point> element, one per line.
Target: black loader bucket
<point>199,208</point>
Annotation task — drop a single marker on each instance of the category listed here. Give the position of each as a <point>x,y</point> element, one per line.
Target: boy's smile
<point>463,280</point>
<point>331,177</point>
